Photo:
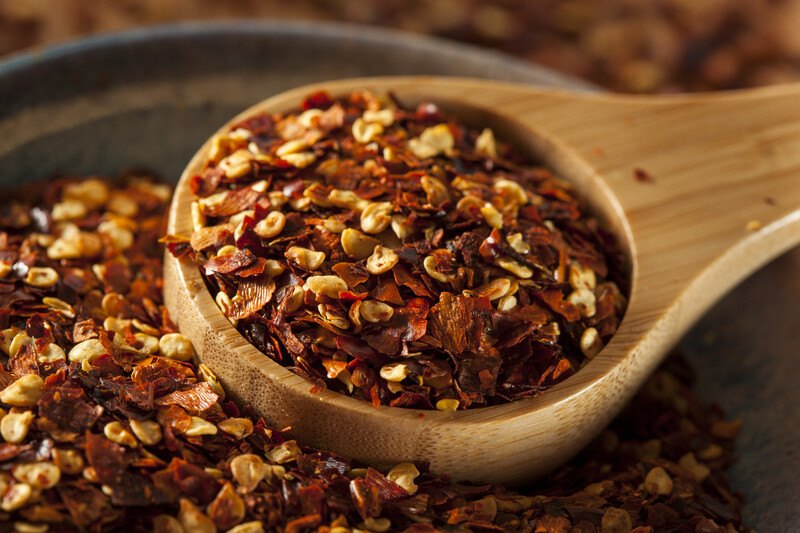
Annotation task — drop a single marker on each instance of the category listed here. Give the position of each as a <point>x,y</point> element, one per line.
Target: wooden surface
<point>718,164</point>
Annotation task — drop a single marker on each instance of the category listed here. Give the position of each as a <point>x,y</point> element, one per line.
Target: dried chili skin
<point>440,268</point>
<point>140,437</point>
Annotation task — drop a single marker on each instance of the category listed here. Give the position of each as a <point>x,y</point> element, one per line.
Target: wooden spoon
<point>701,189</point>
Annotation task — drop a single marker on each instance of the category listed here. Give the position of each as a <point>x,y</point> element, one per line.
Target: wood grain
<point>718,164</point>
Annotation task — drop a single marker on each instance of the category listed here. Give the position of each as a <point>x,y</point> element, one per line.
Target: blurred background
<point>637,46</point>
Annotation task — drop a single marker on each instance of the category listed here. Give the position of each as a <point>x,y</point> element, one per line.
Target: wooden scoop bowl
<point>700,189</point>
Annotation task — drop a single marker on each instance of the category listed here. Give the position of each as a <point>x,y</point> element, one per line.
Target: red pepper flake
<point>642,176</point>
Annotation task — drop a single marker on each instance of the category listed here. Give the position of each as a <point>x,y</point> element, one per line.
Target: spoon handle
<point>709,185</point>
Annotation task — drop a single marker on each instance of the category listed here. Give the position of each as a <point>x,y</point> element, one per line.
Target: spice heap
<point>400,257</point>
<point>653,46</point>
<point>107,424</point>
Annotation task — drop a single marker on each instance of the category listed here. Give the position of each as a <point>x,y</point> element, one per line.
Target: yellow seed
<point>300,160</point>
<point>14,426</point>
<point>64,249</point>
<point>176,346</point>
<point>364,132</point>
<point>590,342</point>
<point>93,193</point>
<point>507,303</point>
<point>518,269</point>
<point>354,313</point>
<point>435,190</point>
<point>193,519</point>
<point>200,427</point>
<point>698,470</point>
<point>447,405</point>
<point>512,191</point>
<point>271,225</point>
<point>15,497</point>
<point>291,147</point>
<point>121,236</point>
<point>376,217</point>
<point>395,372</point>
<point>69,462</point>
<point>248,470</point>
<point>330,286</point>
<point>284,453</point>
<point>518,244</point>
<point>8,337</point>
<point>584,300</point>
<point>309,117</point>
<point>493,290</point>
<point>147,431</point>
<point>485,143</point>
<point>347,200</point>
<point>378,525</point>
<point>404,475</point>
<point>89,244</point>
<point>164,523</point>
<point>237,164</point>
<point>492,216</point>
<point>239,428</point>
<point>149,343</point>
<point>122,204</point>
<point>41,475</point>
<point>216,472</point>
<point>60,306</point>
<point>69,210</point>
<point>118,325</point>
<point>382,260</point>
<point>296,299</point>
<point>304,258</point>
<point>429,263</point>
<point>88,350</point>
<point>27,527</point>
<point>41,277</point>
<point>256,526</point>
<point>710,452</point>
<point>401,227</point>
<point>581,277</point>
<point>432,141</point>
<point>658,482</point>
<point>228,249</point>
<point>90,474</point>
<point>144,327</point>
<point>24,392</point>
<point>116,432</point>
<point>375,311</point>
<point>384,117</point>
<point>358,245</point>
<point>51,353</point>
<point>616,521</point>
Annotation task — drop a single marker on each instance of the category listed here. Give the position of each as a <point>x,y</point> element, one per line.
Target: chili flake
<point>121,436</point>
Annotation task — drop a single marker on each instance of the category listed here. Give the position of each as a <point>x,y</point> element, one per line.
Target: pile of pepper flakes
<point>107,424</point>
<point>400,257</point>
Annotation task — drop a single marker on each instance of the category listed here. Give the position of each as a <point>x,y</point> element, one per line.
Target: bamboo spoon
<point>724,199</point>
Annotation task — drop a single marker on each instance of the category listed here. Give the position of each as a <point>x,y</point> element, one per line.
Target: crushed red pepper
<point>107,424</point>
<point>401,257</point>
